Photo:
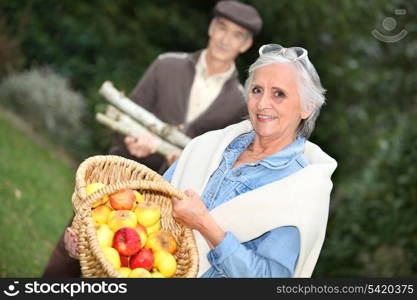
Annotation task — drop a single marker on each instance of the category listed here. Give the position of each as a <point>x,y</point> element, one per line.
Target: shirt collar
<point>284,156</point>
<point>201,68</point>
<point>277,160</point>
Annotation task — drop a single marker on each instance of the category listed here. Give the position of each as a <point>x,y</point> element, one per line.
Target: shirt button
<point>237,173</point>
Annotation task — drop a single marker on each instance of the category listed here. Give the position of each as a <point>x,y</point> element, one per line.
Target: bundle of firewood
<point>130,119</point>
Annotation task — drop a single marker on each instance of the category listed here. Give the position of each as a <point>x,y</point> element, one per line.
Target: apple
<point>142,259</point>
<point>162,240</point>
<point>121,218</point>
<point>112,256</point>
<point>139,196</point>
<point>139,199</point>
<point>93,187</point>
<point>105,235</point>
<point>140,273</point>
<point>156,274</point>
<point>143,233</point>
<point>123,199</point>
<point>124,260</point>
<point>101,213</point>
<point>153,228</point>
<point>125,272</point>
<point>126,241</point>
<point>148,213</point>
<point>165,263</point>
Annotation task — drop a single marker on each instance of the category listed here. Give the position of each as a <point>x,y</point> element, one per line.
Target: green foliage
<point>10,54</point>
<point>374,232</point>
<point>45,100</point>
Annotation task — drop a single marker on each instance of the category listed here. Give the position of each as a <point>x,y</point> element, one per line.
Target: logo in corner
<point>389,24</point>
<point>12,291</point>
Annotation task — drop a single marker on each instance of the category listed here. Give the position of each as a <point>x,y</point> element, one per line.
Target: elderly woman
<point>258,192</point>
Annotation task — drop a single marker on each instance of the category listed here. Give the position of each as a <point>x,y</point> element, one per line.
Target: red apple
<point>122,200</point>
<point>124,260</point>
<point>126,241</point>
<point>142,259</point>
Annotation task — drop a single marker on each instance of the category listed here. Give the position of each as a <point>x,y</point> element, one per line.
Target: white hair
<point>309,86</point>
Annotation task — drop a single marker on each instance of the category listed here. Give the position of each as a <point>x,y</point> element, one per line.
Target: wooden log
<point>150,121</point>
<point>129,127</point>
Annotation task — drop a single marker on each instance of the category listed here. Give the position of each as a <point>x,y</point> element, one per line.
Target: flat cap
<point>242,14</point>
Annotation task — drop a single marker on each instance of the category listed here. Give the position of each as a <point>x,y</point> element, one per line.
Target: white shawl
<point>301,199</point>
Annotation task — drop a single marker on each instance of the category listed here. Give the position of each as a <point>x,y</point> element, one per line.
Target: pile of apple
<point>130,236</point>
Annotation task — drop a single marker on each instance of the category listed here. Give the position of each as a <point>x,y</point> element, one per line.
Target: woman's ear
<point>305,115</point>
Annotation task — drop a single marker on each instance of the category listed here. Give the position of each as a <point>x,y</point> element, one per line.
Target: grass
<point>35,200</point>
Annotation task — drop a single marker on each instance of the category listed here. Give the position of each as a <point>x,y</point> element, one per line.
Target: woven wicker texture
<point>118,173</point>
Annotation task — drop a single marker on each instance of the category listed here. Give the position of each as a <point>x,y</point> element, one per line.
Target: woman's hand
<point>143,146</point>
<point>192,213</point>
<point>71,243</point>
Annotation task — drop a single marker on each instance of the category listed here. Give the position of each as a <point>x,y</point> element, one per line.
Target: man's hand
<point>192,213</point>
<point>172,157</point>
<point>71,243</point>
<point>143,146</point>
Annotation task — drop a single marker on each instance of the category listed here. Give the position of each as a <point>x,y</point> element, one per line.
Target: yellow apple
<point>154,228</point>
<point>165,263</point>
<point>140,273</point>
<point>112,256</point>
<point>105,235</point>
<point>143,234</point>
<point>125,272</point>
<point>139,196</point>
<point>148,213</point>
<point>157,274</point>
<point>93,187</point>
<point>162,240</point>
<point>101,213</point>
<point>139,199</point>
<point>121,218</point>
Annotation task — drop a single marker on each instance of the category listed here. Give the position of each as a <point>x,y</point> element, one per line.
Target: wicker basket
<point>118,173</point>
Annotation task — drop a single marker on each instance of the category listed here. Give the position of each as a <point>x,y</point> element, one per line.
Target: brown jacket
<point>164,90</point>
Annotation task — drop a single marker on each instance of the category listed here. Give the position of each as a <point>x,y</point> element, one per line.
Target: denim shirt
<point>273,254</point>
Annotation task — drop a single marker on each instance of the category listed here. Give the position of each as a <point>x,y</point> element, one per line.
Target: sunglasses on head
<point>296,52</point>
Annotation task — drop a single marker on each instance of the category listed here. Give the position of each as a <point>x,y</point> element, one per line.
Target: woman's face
<point>274,103</point>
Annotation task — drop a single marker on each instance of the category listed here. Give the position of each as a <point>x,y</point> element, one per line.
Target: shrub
<point>45,100</point>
